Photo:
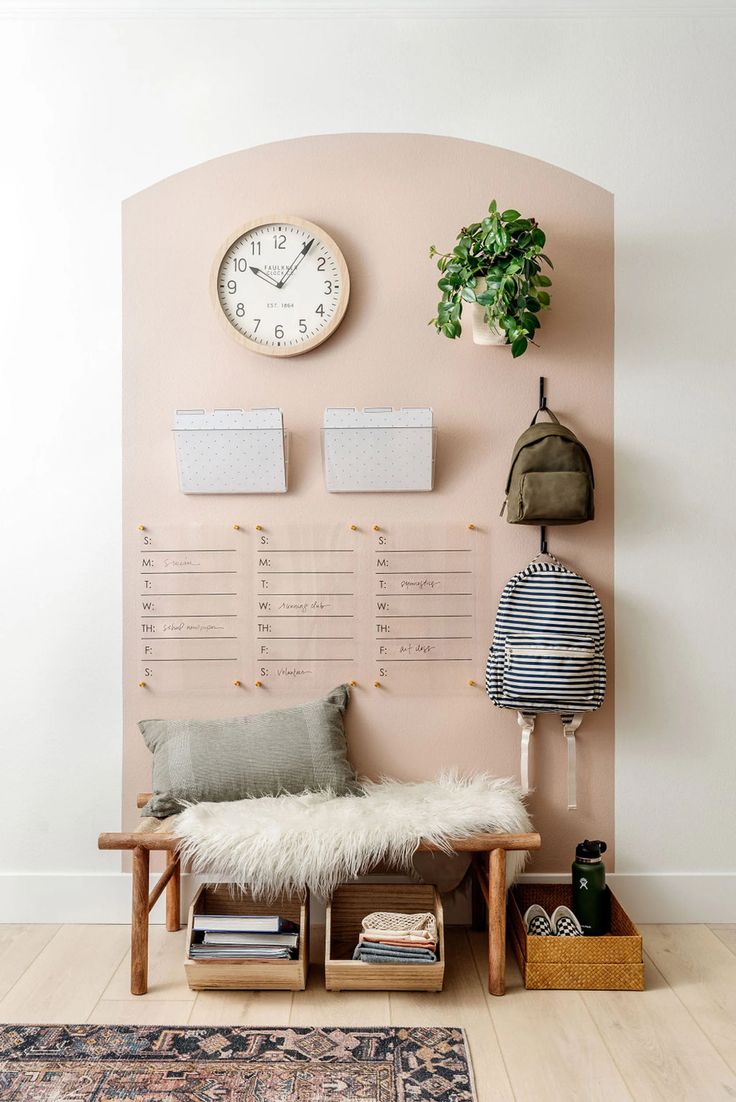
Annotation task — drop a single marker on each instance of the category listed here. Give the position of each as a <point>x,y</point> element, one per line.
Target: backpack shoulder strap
<point>526,721</point>
<point>570,724</point>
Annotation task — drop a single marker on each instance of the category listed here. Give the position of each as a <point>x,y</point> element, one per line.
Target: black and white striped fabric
<point>547,652</point>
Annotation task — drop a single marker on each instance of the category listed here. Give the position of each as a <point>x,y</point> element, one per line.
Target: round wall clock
<point>281,285</point>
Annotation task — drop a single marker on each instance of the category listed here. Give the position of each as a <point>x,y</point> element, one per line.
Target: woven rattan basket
<point>610,963</point>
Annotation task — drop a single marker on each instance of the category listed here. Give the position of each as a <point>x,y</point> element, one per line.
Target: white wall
<point>97,107</point>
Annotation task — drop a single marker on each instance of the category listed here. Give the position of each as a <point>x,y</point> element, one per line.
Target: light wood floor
<point>676,1040</point>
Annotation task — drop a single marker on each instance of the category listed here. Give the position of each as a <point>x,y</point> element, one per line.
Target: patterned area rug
<point>87,1063</point>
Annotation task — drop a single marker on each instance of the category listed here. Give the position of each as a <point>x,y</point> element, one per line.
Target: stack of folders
<point>243,937</point>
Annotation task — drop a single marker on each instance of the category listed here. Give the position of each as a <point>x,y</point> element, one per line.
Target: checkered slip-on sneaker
<point>537,921</point>
<point>564,923</point>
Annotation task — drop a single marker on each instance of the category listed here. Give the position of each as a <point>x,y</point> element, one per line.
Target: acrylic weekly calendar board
<point>424,582</point>
<point>301,608</point>
<point>189,607</point>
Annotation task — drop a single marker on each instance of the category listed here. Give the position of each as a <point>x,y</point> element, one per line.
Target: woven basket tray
<point>612,963</point>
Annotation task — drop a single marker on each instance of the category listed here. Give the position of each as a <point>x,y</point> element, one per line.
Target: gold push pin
<point>353,684</point>
<point>259,684</point>
<point>353,527</point>
<point>376,684</point>
<point>141,527</point>
<point>376,527</point>
<point>471,527</point>
<point>472,683</point>
<point>237,684</point>
<point>259,528</point>
<point>236,527</point>
<point>141,684</point>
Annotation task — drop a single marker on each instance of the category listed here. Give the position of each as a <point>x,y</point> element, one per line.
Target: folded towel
<point>375,954</point>
<point>410,937</point>
<point>408,943</point>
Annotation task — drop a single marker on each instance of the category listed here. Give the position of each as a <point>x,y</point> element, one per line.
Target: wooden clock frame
<point>329,329</point>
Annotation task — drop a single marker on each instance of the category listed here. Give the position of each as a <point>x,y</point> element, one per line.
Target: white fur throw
<point>317,840</point>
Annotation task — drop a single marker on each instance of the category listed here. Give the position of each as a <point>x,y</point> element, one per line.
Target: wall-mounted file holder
<point>381,450</point>
<point>231,451</point>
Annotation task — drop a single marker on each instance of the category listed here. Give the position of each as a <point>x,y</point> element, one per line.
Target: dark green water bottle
<point>590,899</point>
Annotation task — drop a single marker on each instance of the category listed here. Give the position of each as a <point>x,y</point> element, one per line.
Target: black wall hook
<point>542,531</point>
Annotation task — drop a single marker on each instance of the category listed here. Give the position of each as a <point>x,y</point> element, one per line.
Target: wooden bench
<point>488,854</point>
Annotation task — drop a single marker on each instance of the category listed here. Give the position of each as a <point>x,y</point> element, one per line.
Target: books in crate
<point>243,937</point>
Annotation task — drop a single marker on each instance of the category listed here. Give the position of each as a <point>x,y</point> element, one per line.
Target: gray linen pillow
<point>288,751</point>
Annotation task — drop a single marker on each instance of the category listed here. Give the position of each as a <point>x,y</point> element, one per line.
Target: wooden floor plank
<point>725,932</point>
<point>67,978</point>
<point>342,1008</point>
<point>460,1003</point>
<point>136,1010</point>
<point>667,1044</point>
<point>662,1053</point>
<point>551,1046</point>
<point>702,971</point>
<point>166,978</point>
<point>19,947</point>
<point>319,1007</point>
<point>241,1008</point>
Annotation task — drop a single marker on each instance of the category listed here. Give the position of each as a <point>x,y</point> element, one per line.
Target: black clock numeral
<point>279,241</point>
<point>302,325</point>
<point>240,264</point>
<point>258,322</point>
<point>328,286</point>
<point>321,264</point>
<point>320,310</point>
<point>231,286</point>
<point>255,248</point>
<point>278,332</point>
<point>240,310</point>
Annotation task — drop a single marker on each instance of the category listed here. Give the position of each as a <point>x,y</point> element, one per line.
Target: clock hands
<point>295,263</point>
<point>289,271</point>
<point>264,275</point>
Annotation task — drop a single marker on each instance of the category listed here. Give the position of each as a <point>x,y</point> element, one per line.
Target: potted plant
<point>495,270</point>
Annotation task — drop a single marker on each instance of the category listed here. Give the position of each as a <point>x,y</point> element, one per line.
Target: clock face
<point>282,285</point>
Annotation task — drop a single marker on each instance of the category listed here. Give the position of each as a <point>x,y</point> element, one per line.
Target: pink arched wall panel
<point>384,198</point>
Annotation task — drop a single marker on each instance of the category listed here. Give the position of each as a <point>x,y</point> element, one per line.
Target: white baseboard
<point>105,897</point>
<point>667,896</point>
<point>77,897</point>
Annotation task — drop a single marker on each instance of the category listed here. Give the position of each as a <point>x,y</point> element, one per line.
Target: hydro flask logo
<point>583,884</point>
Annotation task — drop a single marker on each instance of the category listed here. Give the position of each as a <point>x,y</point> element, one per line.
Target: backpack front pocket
<point>563,673</point>
<point>549,497</point>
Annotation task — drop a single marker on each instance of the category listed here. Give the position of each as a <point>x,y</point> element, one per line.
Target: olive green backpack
<point>551,477</point>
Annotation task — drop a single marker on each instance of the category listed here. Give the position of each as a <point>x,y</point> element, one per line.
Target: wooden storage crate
<point>610,963</point>
<point>281,975</point>
<point>345,912</point>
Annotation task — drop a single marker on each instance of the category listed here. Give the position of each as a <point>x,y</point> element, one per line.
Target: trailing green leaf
<point>504,250</point>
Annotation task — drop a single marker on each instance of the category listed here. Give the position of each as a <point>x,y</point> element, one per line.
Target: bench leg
<point>139,923</point>
<point>173,894</point>
<point>497,921</point>
<point>477,903</point>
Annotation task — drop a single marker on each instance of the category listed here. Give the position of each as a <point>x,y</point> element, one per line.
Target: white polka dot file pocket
<point>231,451</point>
<point>381,450</point>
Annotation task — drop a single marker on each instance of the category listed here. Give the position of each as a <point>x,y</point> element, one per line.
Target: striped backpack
<point>547,654</point>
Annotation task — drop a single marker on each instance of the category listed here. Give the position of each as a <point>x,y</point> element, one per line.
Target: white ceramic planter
<point>482,333</point>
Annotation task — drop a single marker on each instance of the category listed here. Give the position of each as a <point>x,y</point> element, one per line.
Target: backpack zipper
<point>552,652</point>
